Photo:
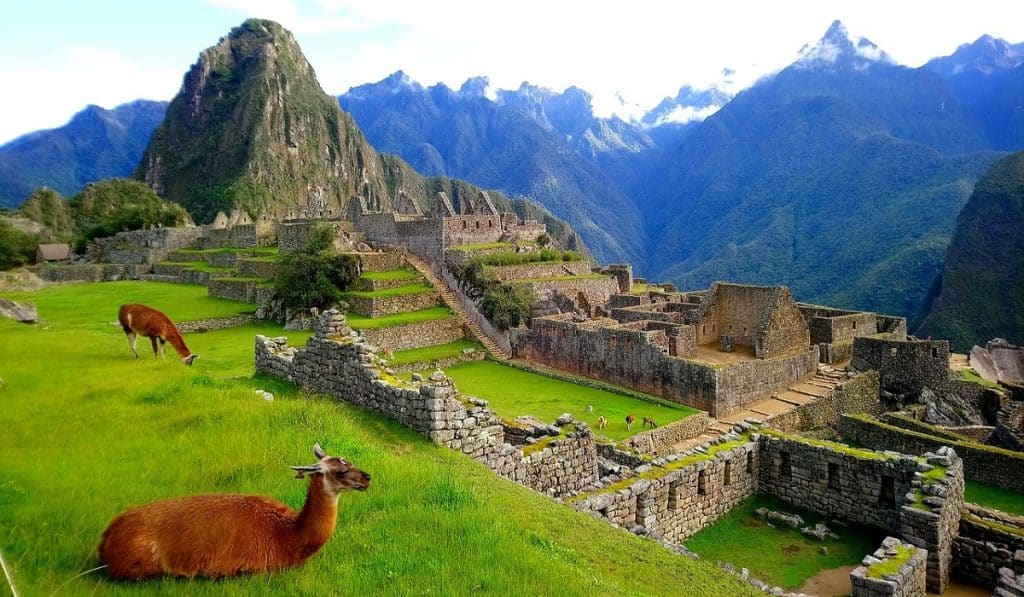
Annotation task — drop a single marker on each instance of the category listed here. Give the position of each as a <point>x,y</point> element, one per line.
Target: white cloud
<point>288,14</point>
<point>685,114</point>
<point>46,93</point>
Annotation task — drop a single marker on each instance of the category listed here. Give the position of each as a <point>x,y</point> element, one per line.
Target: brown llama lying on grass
<point>219,535</point>
<point>649,421</point>
<point>140,320</point>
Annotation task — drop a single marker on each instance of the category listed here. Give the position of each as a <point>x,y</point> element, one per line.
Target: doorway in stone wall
<point>583,303</point>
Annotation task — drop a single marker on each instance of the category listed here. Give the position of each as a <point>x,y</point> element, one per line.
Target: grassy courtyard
<point>781,555</point>
<point>362,322</point>
<point>992,496</point>
<point>88,431</point>
<point>513,392</point>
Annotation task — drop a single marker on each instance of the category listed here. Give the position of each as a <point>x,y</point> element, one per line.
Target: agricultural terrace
<point>88,431</point>
<point>512,392</point>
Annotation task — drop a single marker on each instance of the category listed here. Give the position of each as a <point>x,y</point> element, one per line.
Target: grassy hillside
<point>88,431</point>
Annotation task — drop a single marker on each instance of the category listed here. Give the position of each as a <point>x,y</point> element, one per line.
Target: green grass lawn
<point>261,251</point>
<point>972,376</point>
<point>96,305</point>
<point>513,392</point>
<point>992,496</point>
<point>362,322</point>
<point>402,273</point>
<point>87,431</point>
<point>429,354</point>
<point>396,291</point>
<point>481,247</point>
<point>780,556</point>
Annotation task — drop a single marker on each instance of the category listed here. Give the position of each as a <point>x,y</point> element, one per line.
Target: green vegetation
<point>972,376</point>
<point>94,306</point>
<point>112,432</point>
<point>560,279</point>
<point>780,556</point>
<point>47,207</point>
<point>314,276</point>
<point>980,295</point>
<point>512,392</point>
<point>480,247</point>
<point>429,354</point>
<point>254,251</point>
<point>891,565</point>
<point>361,322</point>
<point>118,204</point>
<point>396,291</point>
<point>542,256</point>
<point>16,246</point>
<point>991,496</point>
<point>835,446</point>
<point>508,305</point>
<point>402,273</point>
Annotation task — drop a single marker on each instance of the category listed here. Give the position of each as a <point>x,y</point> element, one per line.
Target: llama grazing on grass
<point>630,419</point>
<point>140,320</point>
<point>220,535</point>
<point>602,422</point>
<point>649,421</point>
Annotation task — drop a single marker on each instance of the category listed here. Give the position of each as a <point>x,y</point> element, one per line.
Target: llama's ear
<point>318,451</point>
<point>309,470</point>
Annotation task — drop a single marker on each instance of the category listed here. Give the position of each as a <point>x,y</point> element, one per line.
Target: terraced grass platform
<point>403,273</point>
<point>513,392</point>
<point>88,431</point>
<point>396,291</point>
<point>360,322</point>
<point>429,354</point>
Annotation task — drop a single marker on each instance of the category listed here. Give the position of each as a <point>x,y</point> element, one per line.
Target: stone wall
<point>661,440</point>
<point>905,367</point>
<point>931,517</point>
<point>246,291</point>
<point>638,359</point>
<point>988,541</point>
<point>1010,426</point>
<point>846,485</point>
<point>295,235</point>
<point>586,293</point>
<point>415,335</point>
<point>507,273</point>
<point>339,363</point>
<point>684,500</point>
<point>256,268</point>
<point>907,581</point>
<point>859,394</point>
<point>92,272</point>
<point>988,464</point>
<point>472,229</point>
<point>199,326</point>
<point>256,234</point>
<point>381,262</point>
<point>139,247</point>
<point>380,306</point>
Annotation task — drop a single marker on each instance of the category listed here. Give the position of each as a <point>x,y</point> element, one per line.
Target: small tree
<point>508,305</point>
<point>315,276</point>
<point>16,246</point>
<point>543,240</point>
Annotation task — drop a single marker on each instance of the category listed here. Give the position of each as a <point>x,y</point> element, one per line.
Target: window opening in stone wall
<point>701,490</point>
<point>833,475</point>
<point>855,325</point>
<point>714,327</point>
<point>785,467</point>
<point>463,224</point>
<point>674,503</point>
<point>490,224</point>
<point>704,329</point>
<point>935,353</point>
<point>887,493</point>
<point>892,351</point>
<point>478,225</point>
<point>727,477</point>
<point>750,462</point>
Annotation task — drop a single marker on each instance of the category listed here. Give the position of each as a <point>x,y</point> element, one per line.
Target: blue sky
<point>58,56</point>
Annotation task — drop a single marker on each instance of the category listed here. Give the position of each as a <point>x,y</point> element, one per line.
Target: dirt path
<point>836,581</point>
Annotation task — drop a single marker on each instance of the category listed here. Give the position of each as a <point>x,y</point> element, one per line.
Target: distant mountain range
<point>840,176</point>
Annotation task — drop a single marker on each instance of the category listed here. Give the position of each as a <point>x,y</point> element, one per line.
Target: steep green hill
<point>252,129</point>
<point>982,284</point>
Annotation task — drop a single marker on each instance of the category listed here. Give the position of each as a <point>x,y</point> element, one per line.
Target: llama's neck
<point>177,342</point>
<point>315,523</point>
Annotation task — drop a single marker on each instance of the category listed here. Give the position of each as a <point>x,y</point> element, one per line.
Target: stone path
<point>452,301</point>
<point>822,384</point>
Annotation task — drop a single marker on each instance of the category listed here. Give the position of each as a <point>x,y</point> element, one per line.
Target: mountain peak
<point>838,49</point>
<point>985,55</point>
<point>476,87</point>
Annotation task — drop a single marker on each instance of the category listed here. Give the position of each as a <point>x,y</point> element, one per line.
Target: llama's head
<point>188,360</point>
<point>338,474</point>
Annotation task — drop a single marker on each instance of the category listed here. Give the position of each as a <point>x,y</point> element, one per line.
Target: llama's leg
<point>156,350</point>
<point>132,339</point>
<point>163,348</point>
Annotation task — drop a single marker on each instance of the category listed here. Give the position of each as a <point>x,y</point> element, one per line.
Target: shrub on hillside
<point>16,246</point>
<point>314,276</point>
<point>508,305</point>
<point>119,204</point>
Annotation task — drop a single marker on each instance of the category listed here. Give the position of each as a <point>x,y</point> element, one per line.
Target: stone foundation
<point>415,335</point>
<point>380,306</point>
<point>908,580</point>
<point>661,439</point>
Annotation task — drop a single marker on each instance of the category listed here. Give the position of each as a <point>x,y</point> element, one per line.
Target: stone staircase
<point>824,381</point>
<point>453,302</point>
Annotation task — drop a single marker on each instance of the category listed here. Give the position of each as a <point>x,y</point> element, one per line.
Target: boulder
<point>21,313</point>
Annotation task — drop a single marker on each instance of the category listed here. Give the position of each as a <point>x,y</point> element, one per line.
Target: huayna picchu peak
<point>251,129</point>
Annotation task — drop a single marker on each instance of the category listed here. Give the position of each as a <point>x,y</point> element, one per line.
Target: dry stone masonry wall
<point>989,540</point>
<point>342,364</point>
<point>907,580</point>
<point>415,335</point>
